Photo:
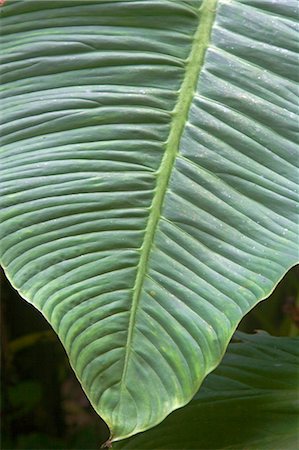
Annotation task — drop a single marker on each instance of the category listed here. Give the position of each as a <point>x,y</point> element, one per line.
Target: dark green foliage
<point>40,421</point>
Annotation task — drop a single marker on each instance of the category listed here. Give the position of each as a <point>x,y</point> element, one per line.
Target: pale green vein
<point>180,116</point>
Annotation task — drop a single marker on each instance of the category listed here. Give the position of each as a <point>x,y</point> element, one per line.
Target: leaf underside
<point>149,184</point>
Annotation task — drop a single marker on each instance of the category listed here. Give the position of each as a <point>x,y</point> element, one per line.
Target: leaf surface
<point>149,184</point>
<point>249,402</point>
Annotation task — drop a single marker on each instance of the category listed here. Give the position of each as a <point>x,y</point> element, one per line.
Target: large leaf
<point>149,184</point>
<point>250,402</point>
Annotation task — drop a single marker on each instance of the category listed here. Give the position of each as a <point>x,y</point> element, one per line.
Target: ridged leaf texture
<point>148,183</point>
<point>251,401</point>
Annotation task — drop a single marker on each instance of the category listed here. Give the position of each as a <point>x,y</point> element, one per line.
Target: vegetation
<point>149,203</point>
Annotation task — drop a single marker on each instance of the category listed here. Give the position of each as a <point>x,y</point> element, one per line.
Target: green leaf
<point>249,402</point>
<point>149,184</point>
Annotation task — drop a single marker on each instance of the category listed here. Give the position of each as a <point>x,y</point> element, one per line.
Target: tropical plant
<point>249,402</point>
<point>149,184</point>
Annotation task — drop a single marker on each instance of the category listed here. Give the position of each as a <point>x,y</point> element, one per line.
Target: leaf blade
<point>89,140</point>
<point>249,401</point>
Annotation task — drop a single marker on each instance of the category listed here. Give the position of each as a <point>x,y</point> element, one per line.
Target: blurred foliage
<point>42,403</point>
<point>279,313</point>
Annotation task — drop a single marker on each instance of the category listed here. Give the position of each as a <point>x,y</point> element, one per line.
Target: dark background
<point>42,403</point>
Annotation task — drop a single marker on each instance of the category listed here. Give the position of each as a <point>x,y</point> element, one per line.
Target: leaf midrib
<point>180,114</point>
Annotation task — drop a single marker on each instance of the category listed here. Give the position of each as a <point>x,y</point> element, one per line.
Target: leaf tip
<point>107,444</point>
